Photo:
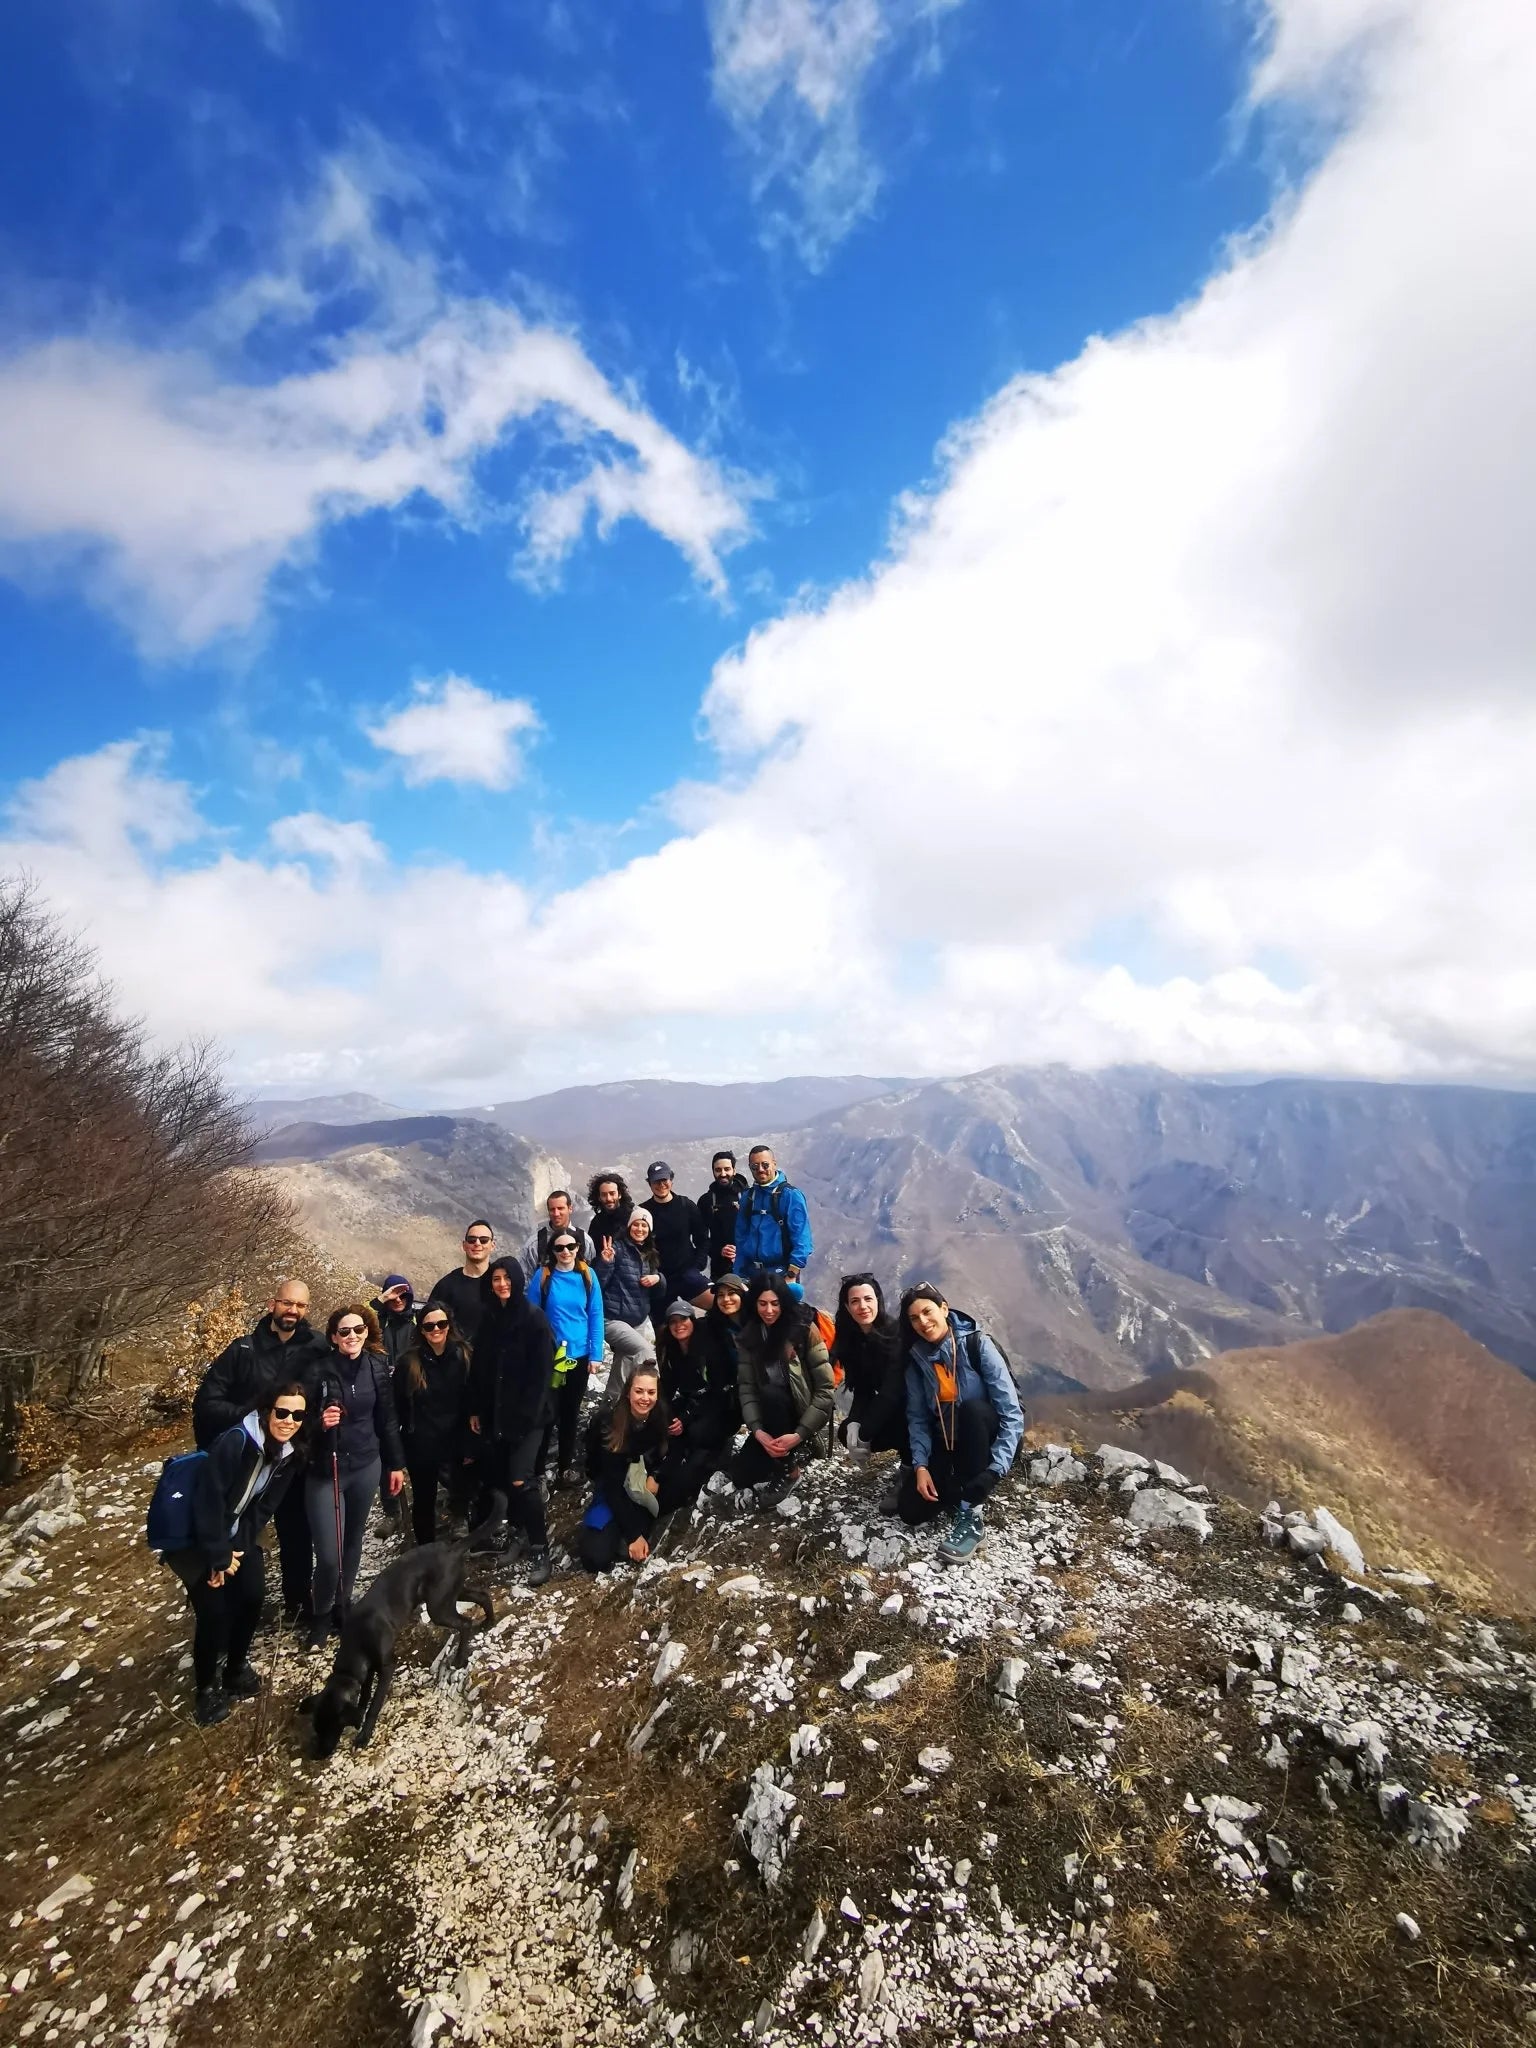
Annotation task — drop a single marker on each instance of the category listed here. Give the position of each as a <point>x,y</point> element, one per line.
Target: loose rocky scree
<point>1145,1770</point>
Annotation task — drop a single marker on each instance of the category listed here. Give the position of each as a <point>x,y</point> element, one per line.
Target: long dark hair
<point>299,1441</point>
<point>794,1317</point>
<point>850,1335</point>
<point>924,1290</point>
<point>622,1420</point>
<point>415,1359</point>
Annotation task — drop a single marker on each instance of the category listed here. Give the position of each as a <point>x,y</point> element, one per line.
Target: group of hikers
<point>716,1365</point>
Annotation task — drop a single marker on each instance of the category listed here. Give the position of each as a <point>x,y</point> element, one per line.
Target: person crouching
<point>625,1449</point>
<point>246,1472</point>
<point>964,1421</point>
<point>784,1379</point>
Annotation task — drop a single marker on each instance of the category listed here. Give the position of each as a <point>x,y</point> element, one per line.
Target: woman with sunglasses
<point>239,1483</point>
<point>431,1387</point>
<point>567,1291</point>
<point>349,1385</point>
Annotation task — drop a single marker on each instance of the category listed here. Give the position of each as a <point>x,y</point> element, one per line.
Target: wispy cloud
<point>793,78</point>
<point>178,479</point>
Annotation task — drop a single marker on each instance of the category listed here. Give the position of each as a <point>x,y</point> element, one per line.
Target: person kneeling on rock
<point>963,1419</point>
<point>626,1445</point>
<point>784,1378</point>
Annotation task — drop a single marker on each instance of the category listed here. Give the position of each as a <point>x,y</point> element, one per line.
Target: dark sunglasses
<point>351,1329</point>
<point>287,1414</point>
<point>435,1323</point>
<point>565,1244</point>
<point>478,1240</point>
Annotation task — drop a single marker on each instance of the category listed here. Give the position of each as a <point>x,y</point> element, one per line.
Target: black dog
<point>430,1576</point>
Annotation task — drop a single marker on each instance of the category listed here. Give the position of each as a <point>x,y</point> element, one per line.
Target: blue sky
<point>478,475</point>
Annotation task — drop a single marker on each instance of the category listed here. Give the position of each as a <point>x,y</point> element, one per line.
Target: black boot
<point>211,1706</point>
<point>539,1566</point>
<point>241,1682</point>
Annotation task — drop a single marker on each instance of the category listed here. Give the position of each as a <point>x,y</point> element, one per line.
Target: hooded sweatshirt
<point>512,1367</point>
<point>236,1492</point>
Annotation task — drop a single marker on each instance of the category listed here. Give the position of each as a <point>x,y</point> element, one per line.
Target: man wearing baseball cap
<point>682,1241</point>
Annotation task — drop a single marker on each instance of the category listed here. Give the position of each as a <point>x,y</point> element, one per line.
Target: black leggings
<point>964,1474</point>
<point>226,1618</point>
<point>568,1397</point>
<point>525,1505</point>
<point>423,1472</point>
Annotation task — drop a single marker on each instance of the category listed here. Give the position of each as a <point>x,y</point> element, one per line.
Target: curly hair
<point>373,1341</point>
<point>626,1200</point>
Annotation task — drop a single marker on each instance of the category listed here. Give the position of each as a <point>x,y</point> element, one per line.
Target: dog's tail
<point>486,1534</point>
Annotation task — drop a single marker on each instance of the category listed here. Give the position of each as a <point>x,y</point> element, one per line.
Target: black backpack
<point>973,1349</point>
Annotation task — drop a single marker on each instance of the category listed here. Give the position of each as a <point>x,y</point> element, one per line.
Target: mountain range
<point>1108,1225</point>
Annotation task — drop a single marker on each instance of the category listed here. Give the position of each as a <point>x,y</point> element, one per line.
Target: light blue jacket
<point>988,1376</point>
<point>760,1242</point>
<point>575,1310</point>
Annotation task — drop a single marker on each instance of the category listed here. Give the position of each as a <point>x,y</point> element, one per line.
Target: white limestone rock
<point>1161,1512</point>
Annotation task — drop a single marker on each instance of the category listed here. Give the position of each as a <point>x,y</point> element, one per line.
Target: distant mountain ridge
<point>1108,1224</point>
<point>609,1115</point>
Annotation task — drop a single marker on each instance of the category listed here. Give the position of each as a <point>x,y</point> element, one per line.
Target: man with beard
<point>773,1225</point>
<point>239,1381</point>
<point>718,1206</point>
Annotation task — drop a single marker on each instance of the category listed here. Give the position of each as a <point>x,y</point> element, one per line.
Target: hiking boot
<point>211,1706</point>
<point>779,1487</point>
<point>241,1682</point>
<point>319,1633</point>
<point>890,1500</point>
<point>965,1534</point>
<point>539,1566</point>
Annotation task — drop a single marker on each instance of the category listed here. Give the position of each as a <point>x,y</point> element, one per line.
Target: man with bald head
<point>239,1379</point>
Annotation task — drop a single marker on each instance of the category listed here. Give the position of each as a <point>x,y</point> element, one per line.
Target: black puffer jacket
<point>512,1366</point>
<point>434,1417</point>
<point>397,1328</point>
<point>221,1484</point>
<point>243,1375</point>
<point>367,1429</point>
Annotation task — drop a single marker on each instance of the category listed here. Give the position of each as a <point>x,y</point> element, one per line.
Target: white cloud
<point>453,731</point>
<point>1218,636</point>
<point>179,481</point>
<point>793,77</point>
<point>310,835</point>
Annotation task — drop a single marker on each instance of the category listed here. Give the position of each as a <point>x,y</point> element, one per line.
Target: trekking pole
<point>336,1505</point>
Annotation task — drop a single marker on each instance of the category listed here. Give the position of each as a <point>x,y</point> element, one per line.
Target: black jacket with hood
<point>223,1482</point>
<point>512,1365</point>
<point>243,1375</point>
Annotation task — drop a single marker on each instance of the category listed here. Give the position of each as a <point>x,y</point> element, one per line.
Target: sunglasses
<point>565,1245</point>
<point>477,1240</point>
<point>435,1323</point>
<point>351,1329</point>
<point>286,1414</point>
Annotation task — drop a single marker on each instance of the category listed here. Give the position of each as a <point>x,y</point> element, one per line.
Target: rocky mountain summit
<point>1154,1768</point>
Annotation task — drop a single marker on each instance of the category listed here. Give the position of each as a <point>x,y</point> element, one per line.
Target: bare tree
<point>121,1194</point>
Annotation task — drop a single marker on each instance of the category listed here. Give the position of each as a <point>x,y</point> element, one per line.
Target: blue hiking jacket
<point>763,1243</point>
<point>574,1306</point>
<point>987,1375</point>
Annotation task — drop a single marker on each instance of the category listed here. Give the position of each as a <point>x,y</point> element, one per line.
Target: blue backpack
<point>168,1525</point>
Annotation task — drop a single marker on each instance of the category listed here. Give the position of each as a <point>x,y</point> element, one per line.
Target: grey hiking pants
<point>358,1487</point>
